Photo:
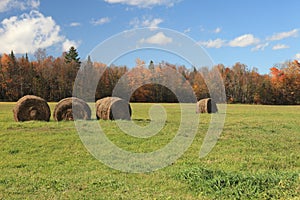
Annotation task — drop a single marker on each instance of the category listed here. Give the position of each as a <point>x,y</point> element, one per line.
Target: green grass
<point>256,157</point>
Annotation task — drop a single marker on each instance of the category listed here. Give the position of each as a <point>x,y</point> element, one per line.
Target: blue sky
<point>258,33</point>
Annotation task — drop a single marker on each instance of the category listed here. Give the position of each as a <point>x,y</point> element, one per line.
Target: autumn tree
<point>53,79</point>
<point>10,76</point>
<point>24,81</point>
<point>289,78</point>
<point>40,54</point>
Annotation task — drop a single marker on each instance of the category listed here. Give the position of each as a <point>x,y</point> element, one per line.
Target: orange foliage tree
<point>53,79</point>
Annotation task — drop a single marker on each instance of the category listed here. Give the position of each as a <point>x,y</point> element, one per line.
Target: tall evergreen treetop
<point>72,55</point>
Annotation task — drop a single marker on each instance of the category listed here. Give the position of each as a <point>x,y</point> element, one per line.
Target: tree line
<point>52,78</point>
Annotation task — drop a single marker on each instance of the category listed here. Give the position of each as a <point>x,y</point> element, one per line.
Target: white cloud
<point>243,41</point>
<point>145,3</point>
<point>28,32</point>
<point>152,23</point>
<point>6,5</point>
<point>101,21</point>
<point>74,24</point>
<point>217,43</point>
<point>280,46</point>
<point>69,43</point>
<point>217,30</point>
<point>260,47</point>
<point>282,35</point>
<point>146,22</point>
<point>135,22</point>
<point>297,56</point>
<point>187,30</point>
<point>159,38</point>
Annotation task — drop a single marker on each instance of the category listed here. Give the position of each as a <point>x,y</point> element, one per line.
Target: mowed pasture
<point>256,157</point>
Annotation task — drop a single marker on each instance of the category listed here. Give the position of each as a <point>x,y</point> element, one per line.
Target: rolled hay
<point>206,106</point>
<point>112,108</point>
<point>71,108</point>
<point>31,107</point>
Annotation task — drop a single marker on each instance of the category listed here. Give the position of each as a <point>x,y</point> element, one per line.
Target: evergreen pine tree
<point>26,57</point>
<point>151,65</point>
<point>12,56</point>
<point>72,55</point>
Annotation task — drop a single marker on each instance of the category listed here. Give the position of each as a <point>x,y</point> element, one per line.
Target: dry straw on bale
<point>31,107</point>
<point>67,108</point>
<point>113,108</point>
<point>207,106</point>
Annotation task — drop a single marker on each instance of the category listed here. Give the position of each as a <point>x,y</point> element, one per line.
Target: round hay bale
<point>67,108</point>
<point>206,106</point>
<point>31,107</point>
<point>112,108</point>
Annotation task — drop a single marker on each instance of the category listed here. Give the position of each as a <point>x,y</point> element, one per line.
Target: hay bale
<point>113,108</point>
<point>64,110</point>
<point>31,107</point>
<point>206,106</point>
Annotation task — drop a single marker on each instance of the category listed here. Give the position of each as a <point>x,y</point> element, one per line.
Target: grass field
<point>256,157</point>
